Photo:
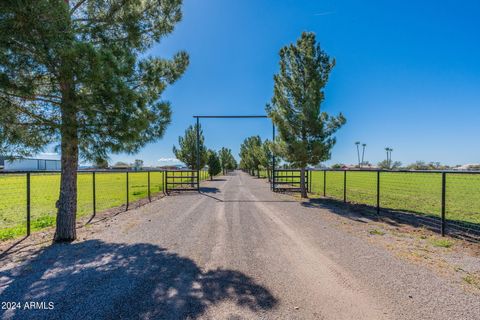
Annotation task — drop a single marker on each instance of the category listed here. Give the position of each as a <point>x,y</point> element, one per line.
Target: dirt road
<point>236,251</point>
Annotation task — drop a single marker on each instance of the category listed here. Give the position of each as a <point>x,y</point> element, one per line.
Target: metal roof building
<point>29,164</point>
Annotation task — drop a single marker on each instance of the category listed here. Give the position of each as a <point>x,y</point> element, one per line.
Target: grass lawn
<point>413,192</point>
<point>110,192</point>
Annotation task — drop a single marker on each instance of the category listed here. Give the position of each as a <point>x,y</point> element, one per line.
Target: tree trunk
<point>268,175</point>
<point>67,202</point>
<point>303,187</point>
<point>258,173</point>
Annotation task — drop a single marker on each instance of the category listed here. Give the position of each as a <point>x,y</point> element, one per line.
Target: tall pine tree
<point>306,132</point>
<point>74,72</point>
<point>187,150</point>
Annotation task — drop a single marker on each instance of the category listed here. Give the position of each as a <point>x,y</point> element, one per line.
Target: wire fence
<point>449,201</point>
<point>28,199</point>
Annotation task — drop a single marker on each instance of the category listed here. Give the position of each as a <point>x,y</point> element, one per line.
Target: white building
<point>29,164</point>
<point>469,166</point>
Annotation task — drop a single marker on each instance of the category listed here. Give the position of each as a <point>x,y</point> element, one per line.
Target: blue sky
<point>407,74</point>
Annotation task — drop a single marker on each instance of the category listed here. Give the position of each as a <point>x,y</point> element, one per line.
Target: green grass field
<point>44,188</point>
<point>404,191</point>
<point>412,192</point>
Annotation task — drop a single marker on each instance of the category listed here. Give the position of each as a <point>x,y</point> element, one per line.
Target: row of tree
<point>221,161</point>
<point>187,152</point>
<point>256,155</point>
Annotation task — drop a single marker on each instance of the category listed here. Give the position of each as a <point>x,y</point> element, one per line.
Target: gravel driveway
<point>235,251</point>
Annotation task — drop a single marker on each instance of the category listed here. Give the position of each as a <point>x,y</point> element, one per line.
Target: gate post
<point>198,154</point>
<point>273,158</point>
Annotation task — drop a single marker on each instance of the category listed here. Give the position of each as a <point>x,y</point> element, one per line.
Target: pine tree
<point>266,157</point>
<point>74,72</point>
<point>214,166</point>
<point>306,131</point>
<point>187,151</point>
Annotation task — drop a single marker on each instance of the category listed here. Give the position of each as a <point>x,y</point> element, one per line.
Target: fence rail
<point>446,200</point>
<point>182,180</point>
<point>288,180</point>
<point>28,198</point>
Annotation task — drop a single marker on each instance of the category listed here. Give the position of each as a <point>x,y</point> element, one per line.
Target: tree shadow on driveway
<point>209,190</point>
<point>396,218</point>
<point>97,280</point>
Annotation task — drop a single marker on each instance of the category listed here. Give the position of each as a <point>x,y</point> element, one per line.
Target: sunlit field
<point>415,192</point>
<point>412,192</point>
<point>111,191</point>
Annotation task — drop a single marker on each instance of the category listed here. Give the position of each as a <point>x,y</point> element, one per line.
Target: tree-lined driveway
<point>235,251</point>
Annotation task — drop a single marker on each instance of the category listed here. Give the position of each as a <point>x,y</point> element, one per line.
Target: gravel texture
<point>235,251</point>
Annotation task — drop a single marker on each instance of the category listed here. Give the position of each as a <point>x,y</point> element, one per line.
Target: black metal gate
<point>288,180</point>
<point>181,180</point>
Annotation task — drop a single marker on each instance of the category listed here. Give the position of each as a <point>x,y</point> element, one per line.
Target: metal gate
<point>288,180</point>
<point>181,180</point>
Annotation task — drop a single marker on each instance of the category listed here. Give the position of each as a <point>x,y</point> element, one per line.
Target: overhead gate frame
<point>182,180</point>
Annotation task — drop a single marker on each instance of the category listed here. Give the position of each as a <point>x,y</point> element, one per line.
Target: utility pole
<point>388,160</point>
<point>358,152</point>
<point>391,157</point>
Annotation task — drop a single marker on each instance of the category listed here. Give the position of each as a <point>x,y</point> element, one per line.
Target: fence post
<point>345,186</point>
<point>28,204</point>
<point>199,176</point>
<point>378,192</point>
<point>444,184</point>
<point>94,187</point>
<point>273,179</point>
<point>324,183</point>
<point>127,194</point>
<point>149,194</point>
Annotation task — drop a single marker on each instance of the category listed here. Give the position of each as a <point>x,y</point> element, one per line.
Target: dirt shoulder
<point>452,258</point>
